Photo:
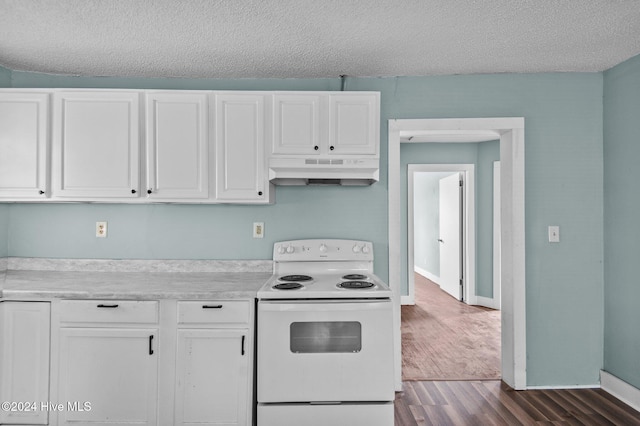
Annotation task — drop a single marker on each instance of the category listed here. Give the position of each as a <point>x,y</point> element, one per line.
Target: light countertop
<point>147,285</point>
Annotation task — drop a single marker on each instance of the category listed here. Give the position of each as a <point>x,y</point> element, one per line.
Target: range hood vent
<point>324,171</point>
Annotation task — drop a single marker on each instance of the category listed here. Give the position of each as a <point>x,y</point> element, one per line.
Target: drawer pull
<point>211,306</point>
<point>242,346</point>
<point>107,306</point>
<point>151,345</point>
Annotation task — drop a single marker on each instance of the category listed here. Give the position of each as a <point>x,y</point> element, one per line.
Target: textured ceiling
<point>315,38</point>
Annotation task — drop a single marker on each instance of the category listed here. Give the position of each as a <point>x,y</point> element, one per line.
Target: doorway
<point>510,132</point>
<point>446,335</point>
<point>423,255</point>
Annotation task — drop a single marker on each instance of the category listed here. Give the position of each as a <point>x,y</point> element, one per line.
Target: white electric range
<point>325,337</point>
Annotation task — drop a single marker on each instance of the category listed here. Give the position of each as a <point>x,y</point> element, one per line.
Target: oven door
<point>325,351</point>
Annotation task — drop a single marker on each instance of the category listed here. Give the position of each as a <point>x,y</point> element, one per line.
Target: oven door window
<point>325,337</point>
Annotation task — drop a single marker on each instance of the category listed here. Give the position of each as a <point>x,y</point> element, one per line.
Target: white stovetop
<point>325,286</point>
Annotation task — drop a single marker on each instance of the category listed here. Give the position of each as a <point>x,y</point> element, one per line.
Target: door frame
<point>469,231</point>
<point>512,273</point>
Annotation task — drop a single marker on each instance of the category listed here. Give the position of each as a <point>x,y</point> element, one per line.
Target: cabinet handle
<point>260,193</point>
<point>242,346</point>
<point>107,306</point>
<point>316,147</point>
<point>211,306</point>
<point>332,148</point>
<point>149,191</point>
<point>151,345</point>
<point>41,192</point>
<point>133,191</point>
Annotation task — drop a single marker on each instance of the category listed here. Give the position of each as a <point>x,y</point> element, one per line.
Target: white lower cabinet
<point>24,362</point>
<point>124,362</point>
<point>108,376</point>
<point>214,347</point>
<point>108,362</point>
<point>210,367</point>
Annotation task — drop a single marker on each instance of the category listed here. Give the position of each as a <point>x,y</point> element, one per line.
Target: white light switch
<point>554,234</point>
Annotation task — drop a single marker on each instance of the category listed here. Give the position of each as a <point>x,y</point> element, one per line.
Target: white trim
<point>622,390</point>
<point>594,386</point>
<point>428,275</point>
<point>487,302</point>
<point>468,172</point>
<point>496,235</point>
<point>407,300</point>
<point>511,131</point>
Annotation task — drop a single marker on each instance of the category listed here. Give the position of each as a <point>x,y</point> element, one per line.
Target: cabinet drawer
<point>217,311</point>
<point>111,311</point>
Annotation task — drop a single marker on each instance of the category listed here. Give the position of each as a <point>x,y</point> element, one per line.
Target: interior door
<point>451,235</point>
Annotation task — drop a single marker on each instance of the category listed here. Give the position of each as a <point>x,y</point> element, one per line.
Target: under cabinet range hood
<point>320,171</point>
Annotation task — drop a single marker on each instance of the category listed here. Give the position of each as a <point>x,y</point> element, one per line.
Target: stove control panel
<point>322,250</point>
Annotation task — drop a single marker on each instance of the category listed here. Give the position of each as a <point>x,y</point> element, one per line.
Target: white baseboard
<point>622,390</point>
<point>594,386</point>
<point>428,275</point>
<point>407,300</point>
<point>488,302</point>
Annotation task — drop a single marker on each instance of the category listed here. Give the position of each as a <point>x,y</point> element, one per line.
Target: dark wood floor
<point>430,352</point>
<point>491,402</point>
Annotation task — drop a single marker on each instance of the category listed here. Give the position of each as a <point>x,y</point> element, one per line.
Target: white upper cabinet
<point>326,124</point>
<point>96,144</point>
<point>24,145</point>
<point>354,123</point>
<point>141,146</point>
<point>240,139</point>
<point>296,123</point>
<point>177,146</point>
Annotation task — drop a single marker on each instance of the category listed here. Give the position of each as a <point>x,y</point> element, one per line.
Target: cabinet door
<point>24,361</point>
<point>177,145</point>
<point>212,381</point>
<point>240,138</point>
<point>115,370</point>
<point>24,143</point>
<point>296,124</point>
<point>354,121</point>
<point>96,144</point>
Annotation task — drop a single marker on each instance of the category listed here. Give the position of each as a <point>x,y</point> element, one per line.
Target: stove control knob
<point>365,249</point>
<point>323,248</point>
<point>356,248</point>
<point>281,250</point>
<point>290,249</point>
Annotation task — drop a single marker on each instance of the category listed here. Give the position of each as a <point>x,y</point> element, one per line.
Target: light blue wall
<point>5,77</point>
<point>621,225</point>
<point>488,152</point>
<point>563,114</point>
<point>426,220</point>
<point>482,155</point>
<point>4,230</point>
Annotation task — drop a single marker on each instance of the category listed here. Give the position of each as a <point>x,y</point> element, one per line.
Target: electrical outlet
<point>258,229</point>
<point>554,234</point>
<point>101,229</point>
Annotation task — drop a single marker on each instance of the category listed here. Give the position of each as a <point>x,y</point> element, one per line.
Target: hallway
<point>443,339</point>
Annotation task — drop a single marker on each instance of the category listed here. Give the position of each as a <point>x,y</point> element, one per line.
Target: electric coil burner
<point>354,277</point>
<point>288,286</point>
<point>293,278</point>
<point>355,285</point>
<point>325,337</point>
